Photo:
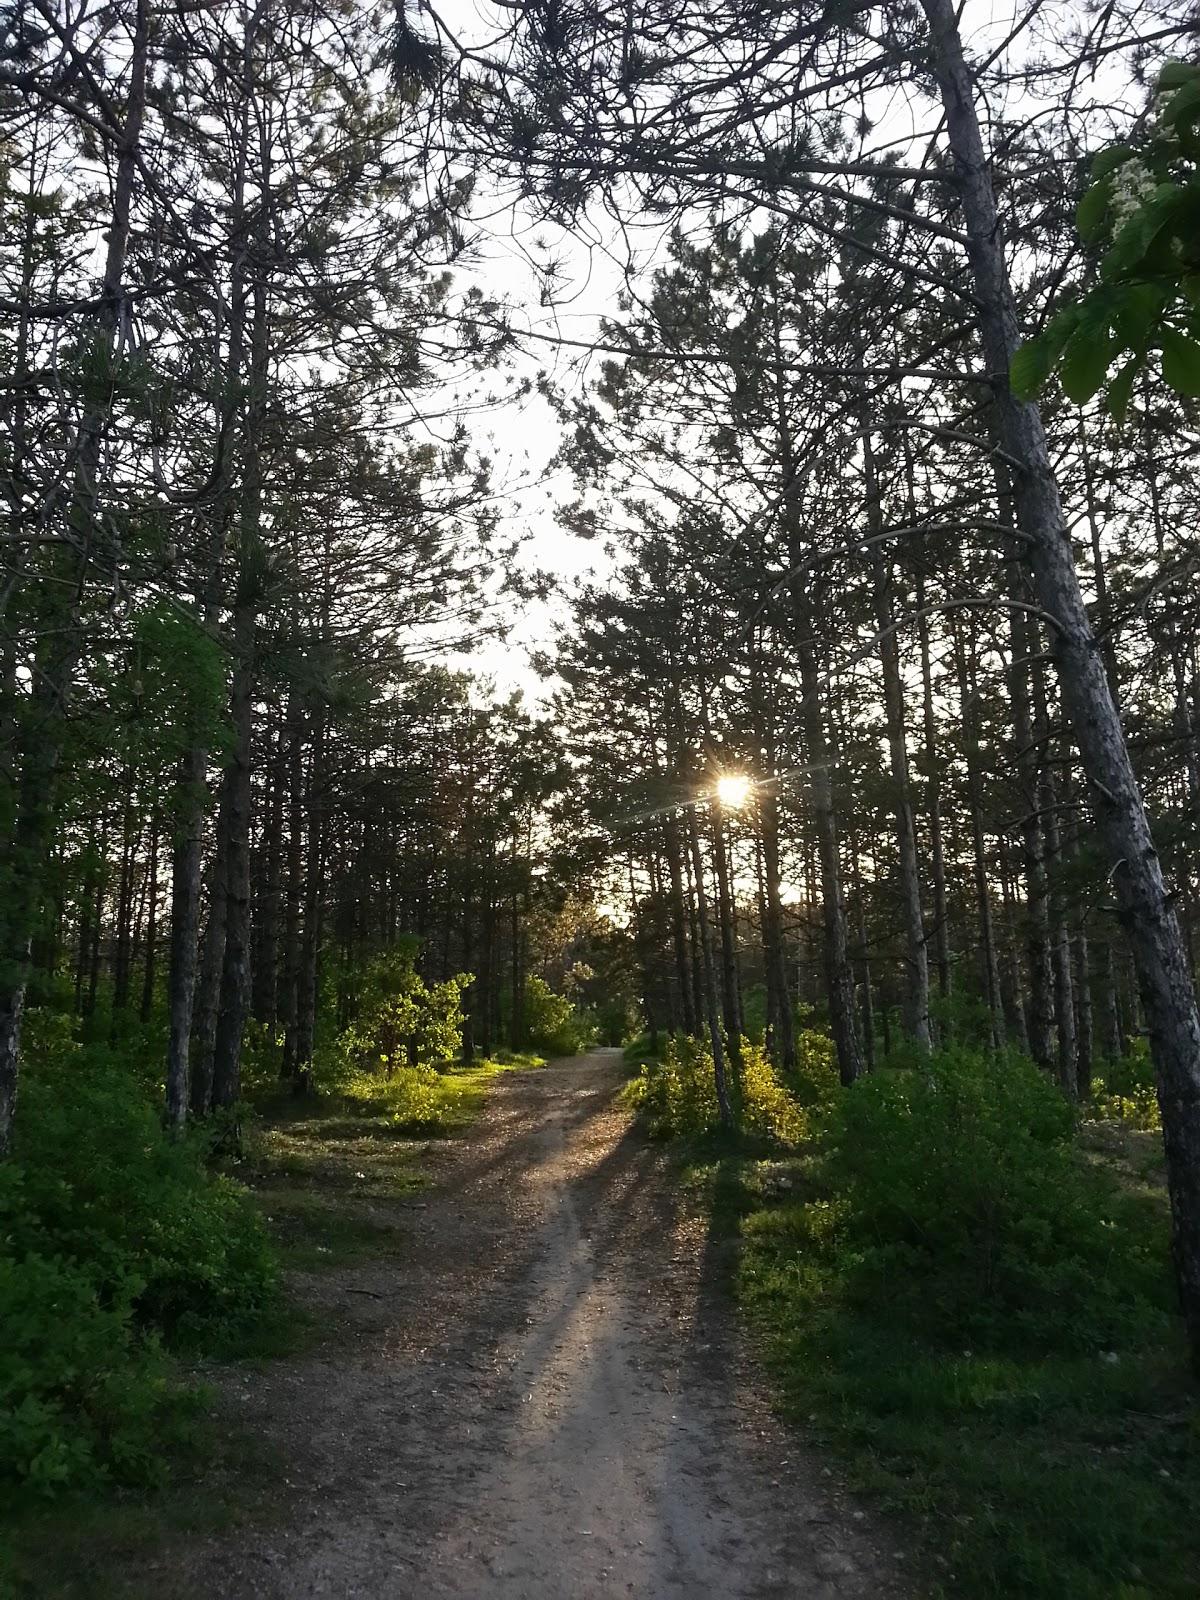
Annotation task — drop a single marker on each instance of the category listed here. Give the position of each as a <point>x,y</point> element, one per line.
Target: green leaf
<point>1093,209</point>
<point>1135,239</point>
<point>1106,161</point>
<point>1085,363</point>
<point>1176,73</point>
<point>1181,362</point>
<point>1120,389</point>
<point>1030,367</point>
<point>1136,312</point>
<point>1184,107</point>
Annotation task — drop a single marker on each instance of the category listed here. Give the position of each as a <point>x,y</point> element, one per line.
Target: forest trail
<point>540,1396</point>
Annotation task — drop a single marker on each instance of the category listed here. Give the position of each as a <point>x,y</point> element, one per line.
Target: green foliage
<point>80,1394</point>
<point>418,1101</point>
<point>552,1023</point>
<point>677,1094</point>
<point>1126,1091</point>
<point>982,1321</point>
<point>963,1202</point>
<point>1144,206</point>
<point>639,1049</point>
<point>403,1022</point>
<point>614,1020</point>
<point>815,1082</point>
<point>112,1238</point>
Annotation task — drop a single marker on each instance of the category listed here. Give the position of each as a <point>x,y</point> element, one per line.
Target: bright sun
<point>733,789</point>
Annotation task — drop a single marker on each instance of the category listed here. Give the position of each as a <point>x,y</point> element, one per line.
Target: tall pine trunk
<point>1164,981</point>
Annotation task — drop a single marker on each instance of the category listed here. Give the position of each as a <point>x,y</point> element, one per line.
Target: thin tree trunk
<point>777,963</point>
<point>151,946</point>
<point>983,891</point>
<point>708,959</point>
<point>916,952</point>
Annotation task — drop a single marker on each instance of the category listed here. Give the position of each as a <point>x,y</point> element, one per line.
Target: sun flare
<point>733,790</point>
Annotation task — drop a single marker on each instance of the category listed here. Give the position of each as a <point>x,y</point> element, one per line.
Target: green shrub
<point>815,1082</point>
<point>112,1239</point>
<point>103,1186</point>
<point>767,1108</point>
<point>968,1211</point>
<point>982,1321</point>
<point>416,1100</point>
<point>402,1022</point>
<point>677,1094</point>
<point>1126,1092</point>
<point>638,1049</point>
<point>80,1393</point>
<point>552,1024</point>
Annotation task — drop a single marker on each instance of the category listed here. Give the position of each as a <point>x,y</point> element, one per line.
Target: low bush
<point>418,1101</point>
<point>1125,1090</point>
<point>553,1025</point>
<point>983,1321</point>
<point>83,1394</point>
<point>677,1095</point>
<point>644,1046</point>
<point>113,1238</point>
<point>967,1207</point>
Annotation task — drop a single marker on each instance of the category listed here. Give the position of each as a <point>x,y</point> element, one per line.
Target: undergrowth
<point>117,1245</point>
<point>978,1313</point>
<point>675,1093</point>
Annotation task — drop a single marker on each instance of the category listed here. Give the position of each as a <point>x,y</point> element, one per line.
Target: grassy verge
<point>89,1546</point>
<point>329,1171</point>
<point>967,1297</point>
<point>1022,1472</point>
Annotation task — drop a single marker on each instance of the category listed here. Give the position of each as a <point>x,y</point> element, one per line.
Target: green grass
<point>89,1546</point>
<point>332,1171</point>
<point>1071,1475</point>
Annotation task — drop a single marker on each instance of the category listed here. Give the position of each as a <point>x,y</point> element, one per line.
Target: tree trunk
<point>779,978</point>
<point>983,890</point>
<point>1164,981</point>
<point>23,873</point>
<point>731,999</point>
<point>937,852</point>
<point>708,961</point>
<point>683,969</point>
<point>916,952</point>
<point>839,974</point>
<point>234,994</point>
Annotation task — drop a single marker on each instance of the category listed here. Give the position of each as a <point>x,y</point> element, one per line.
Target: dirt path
<point>541,1397</point>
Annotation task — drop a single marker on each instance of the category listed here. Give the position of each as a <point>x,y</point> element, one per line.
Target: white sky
<point>522,436</point>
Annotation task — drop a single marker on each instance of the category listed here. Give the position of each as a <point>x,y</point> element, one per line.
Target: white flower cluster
<point>1132,184</point>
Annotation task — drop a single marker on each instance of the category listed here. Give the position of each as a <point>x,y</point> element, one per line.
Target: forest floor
<point>536,1390</point>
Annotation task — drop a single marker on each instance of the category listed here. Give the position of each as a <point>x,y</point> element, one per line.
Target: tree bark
<point>916,951</point>
<point>709,965</point>
<point>1164,981</point>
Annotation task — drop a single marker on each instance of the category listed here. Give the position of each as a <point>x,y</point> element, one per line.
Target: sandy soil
<point>541,1396</point>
